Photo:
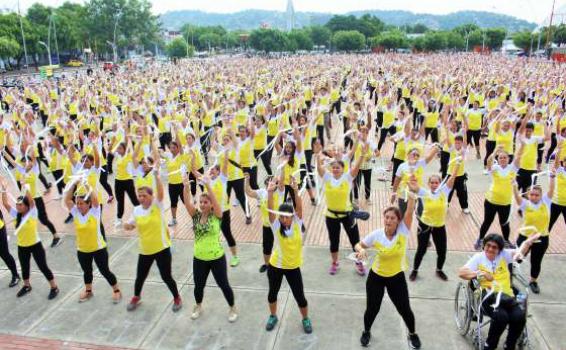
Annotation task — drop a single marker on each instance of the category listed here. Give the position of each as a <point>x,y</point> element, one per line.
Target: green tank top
<point>207,238</point>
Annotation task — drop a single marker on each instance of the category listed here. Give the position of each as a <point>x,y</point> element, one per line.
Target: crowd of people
<point>315,126</point>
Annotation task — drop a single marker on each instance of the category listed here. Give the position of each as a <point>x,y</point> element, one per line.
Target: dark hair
<point>285,208</point>
<point>459,138</point>
<point>394,210</point>
<point>82,197</point>
<point>496,238</point>
<point>25,201</point>
<point>291,161</point>
<point>530,125</point>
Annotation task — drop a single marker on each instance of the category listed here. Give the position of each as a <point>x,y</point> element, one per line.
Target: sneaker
<point>53,292</point>
<point>134,303</point>
<point>69,219</point>
<point>414,341</point>
<point>234,261</point>
<point>413,275</point>
<point>262,268</point>
<point>477,245</point>
<point>360,268</point>
<point>118,223</point>
<point>14,282</point>
<point>307,325</point>
<point>466,211</point>
<point>509,245</point>
<point>440,274</point>
<point>197,311</point>
<point>85,296</point>
<point>232,314</point>
<point>56,242</point>
<point>23,291</point>
<point>116,296</point>
<point>271,322</point>
<point>177,304</point>
<point>110,199</point>
<point>248,220</point>
<point>364,339</point>
<point>172,223</point>
<point>333,268</point>
<point>534,287</point>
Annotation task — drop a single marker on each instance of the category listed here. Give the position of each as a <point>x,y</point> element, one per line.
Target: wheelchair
<point>470,319</point>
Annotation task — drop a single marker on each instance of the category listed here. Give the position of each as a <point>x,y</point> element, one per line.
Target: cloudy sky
<point>531,10</point>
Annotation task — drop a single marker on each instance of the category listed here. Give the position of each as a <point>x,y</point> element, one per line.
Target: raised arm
<point>409,212</point>
<point>5,201</point>
<point>158,185</point>
<point>356,166</point>
<point>270,189</point>
<point>216,207</point>
<point>248,189</point>
<point>298,199</point>
<point>187,197</point>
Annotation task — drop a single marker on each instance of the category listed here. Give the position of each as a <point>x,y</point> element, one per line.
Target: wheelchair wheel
<point>523,341</point>
<point>463,308</point>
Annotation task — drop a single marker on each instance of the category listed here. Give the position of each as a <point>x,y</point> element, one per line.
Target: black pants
<point>265,159</point>
<point>320,134</point>
<point>524,179</point>
<point>123,187</point>
<point>163,259</point>
<point>175,193</point>
<point>193,180</point>
<point>238,186</point>
<point>489,148</point>
<point>226,228</point>
<point>423,237</point>
<point>25,254</point>
<point>42,215</point>
<point>461,191</point>
<point>555,211</point>
<point>503,211</point>
<point>537,253</point>
<point>444,161</point>
<point>57,175</point>
<point>267,241</point>
<point>104,182</point>
<point>253,176</point>
<point>164,139</point>
<point>366,174</point>
<point>398,293</point>
<point>201,269</point>
<point>100,257</point>
<point>553,144</point>
<point>512,315</point>
<point>433,132</point>
<point>383,132</point>
<point>5,251</point>
<point>396,163</point>
<point>333,227</point>
<point>294,280</point>
<point>473,135</point>
<point>109,161</point>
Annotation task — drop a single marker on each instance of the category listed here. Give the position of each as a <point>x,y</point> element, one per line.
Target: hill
<point>251,19</point>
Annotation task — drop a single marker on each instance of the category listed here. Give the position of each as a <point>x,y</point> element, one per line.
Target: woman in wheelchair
<point>491,268</point>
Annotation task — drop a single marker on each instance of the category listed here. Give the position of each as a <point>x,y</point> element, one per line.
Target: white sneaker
<point>197,310</point>
<point>466,211</point>
<point>232,314</point>
<point>118,223</point>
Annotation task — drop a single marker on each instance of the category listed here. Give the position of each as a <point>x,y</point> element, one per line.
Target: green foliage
<point>348,40</point>
<point>320,35</point>
<point>494,37</point>
<point>299,39</point>
<point>523,40</point>
<point>368,25</point>
<point>268,40</point>
<point>9,48</point>
<point>455,41</point>
<point>178,48</point>
<point>558,35</point>
<point>435,41</point>
<point>390,40</point>
<point>465,29</point>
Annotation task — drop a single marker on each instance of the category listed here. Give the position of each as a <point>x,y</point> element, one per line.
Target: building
<point>170,35</point>
<point>290,15</point>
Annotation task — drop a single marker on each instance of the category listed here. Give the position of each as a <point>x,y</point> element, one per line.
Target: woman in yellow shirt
<point>287,258</point>
<point>261,140</point>
<point>388,268</point>
<point>124,180</point>
<point>175,162</point>
<point>154,242</point>
<point>558,205</point>
<point>86,212</point>
<point>29,243</point>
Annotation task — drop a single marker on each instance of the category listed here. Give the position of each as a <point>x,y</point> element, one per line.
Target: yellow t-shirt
<point>27,229</point>
<point>391,257</point>
<point>559,196</point>
<point>152,229</point>
<point>435,206</point>
<point>498,268</point>
<point>337,194</point>
<point>87,228</point>
<point>288,248</point>
<point>537,215</point>
<point>501,190</point>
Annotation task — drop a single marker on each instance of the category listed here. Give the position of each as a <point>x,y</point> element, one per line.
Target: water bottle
<point>522,300</point>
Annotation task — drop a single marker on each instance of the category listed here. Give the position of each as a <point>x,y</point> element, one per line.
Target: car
<point>75,63</point>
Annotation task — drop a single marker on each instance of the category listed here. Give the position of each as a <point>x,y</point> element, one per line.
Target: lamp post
<point>113,46</point>
<point>48,50</point>
<point>23,37</point>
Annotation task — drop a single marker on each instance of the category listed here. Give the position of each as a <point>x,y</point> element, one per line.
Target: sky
<point>532,10</point>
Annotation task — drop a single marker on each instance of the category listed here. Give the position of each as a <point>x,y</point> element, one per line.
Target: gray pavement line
<point>541,335</point>
<point>281,311</point>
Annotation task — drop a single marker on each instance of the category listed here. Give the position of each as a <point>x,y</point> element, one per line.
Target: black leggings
<point>512,315</point>
<point>267,242</point>
<point>461,190</point>
<point>444,161</point>
<point>226,228</point>
<point>265,157</point>
<point>333,227</point>
<point>253,176</point>
<point>423,237</point>
<point>122,187</point>
<point>163,259</point>
<point>42,215</point>
<point>555,211</point>
<point>537,253</point>
<point>383,132</point>
<point>366,174</point>
<point>433,132</point>
<point>201,269</point>
<point>553,144</point>
<point>5,251</point>
<point>104,182</point>
<point>489,148</point>
<point>398,293</point>
<point>175,193</point>
<point>57,175</point>
<point>294,280</point>
<point>238,186</point>
<point>503,211</point>
<point>193,180</point>
<point>24,255</point>
<point>100,257</point>
<point>524,179</point>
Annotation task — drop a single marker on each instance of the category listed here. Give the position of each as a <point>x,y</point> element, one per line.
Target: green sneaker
<point>307,325</point>
<point>234,261</point>
<point>271,322</point>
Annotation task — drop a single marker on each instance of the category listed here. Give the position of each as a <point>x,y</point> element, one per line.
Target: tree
<point>465,29</point>
<point>455,41</point>
<point>178,48</point>
<point>210,40</point>
<point>435,41</point>
<point>523,40</point>
<point>300,40</point>
<point>320,35</point>
<point>494,37</point>
<point>475,38</point>
<point>268,40</point>
<point>368,25</point>
<point>348,40</point>
<point>419,43</point>
<point>390,40</point>
<point>9,48</point>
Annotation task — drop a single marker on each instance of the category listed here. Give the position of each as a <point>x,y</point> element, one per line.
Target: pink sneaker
<point>333,268</point>
<point>360,268</point>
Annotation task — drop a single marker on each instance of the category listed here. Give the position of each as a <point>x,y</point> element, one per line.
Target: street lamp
<point>48,50</point>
